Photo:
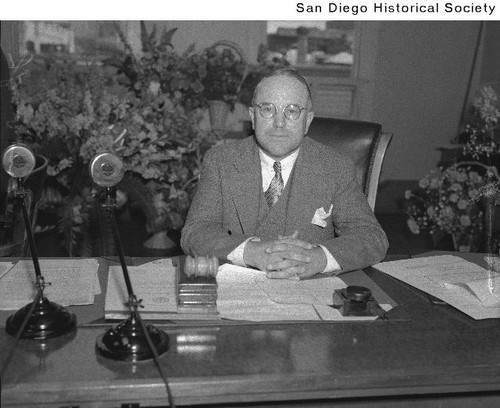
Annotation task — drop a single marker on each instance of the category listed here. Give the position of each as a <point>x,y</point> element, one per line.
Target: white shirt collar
<point>266,165</point>
<point>287,163</point>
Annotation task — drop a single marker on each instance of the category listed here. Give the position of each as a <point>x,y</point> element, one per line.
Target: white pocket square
<point>320,216</point>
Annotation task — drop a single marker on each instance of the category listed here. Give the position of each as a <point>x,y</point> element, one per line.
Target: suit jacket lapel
<point>245,178</point>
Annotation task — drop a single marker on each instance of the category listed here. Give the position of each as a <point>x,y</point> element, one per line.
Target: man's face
<point>279,136</point>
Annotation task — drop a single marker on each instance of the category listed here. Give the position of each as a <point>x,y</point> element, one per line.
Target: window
<point>82,39</point>
<point>314,44</point>
<point>337,58</point>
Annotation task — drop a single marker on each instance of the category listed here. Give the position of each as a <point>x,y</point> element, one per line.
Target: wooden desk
<point>425,355</point>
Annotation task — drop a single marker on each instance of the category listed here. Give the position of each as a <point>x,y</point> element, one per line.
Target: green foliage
<point>483,134</point>
<point>225,72</point>
<point>70,113</point>
<point>161,69</point>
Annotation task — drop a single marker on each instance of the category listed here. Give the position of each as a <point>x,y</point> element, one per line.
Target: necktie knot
<point>277,167</point>
<point>276,187</point>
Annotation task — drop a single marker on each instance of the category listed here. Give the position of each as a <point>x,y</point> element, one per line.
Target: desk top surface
<point>423,348</point>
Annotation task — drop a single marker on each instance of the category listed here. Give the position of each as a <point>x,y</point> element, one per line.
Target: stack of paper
<point>247,294</point>
<point>72,282</point>
<point>468,287</point>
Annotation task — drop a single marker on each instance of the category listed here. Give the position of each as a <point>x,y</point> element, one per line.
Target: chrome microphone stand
<point>40,319</point>
<point>131,339</point>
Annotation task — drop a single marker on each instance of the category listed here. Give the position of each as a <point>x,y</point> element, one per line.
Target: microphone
<point>106,169</point>
<point>18,161</point>
<point>40,319</point>
<point>132,339</point>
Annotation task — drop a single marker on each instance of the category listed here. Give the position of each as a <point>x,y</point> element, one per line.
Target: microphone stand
<point>132,339</point>
<point>40,319</point>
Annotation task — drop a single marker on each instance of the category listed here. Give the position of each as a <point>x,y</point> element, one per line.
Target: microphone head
<point>106,169</point>
<point>18,161</point>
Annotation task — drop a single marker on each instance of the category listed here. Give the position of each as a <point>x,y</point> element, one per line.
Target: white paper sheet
<point>246,294</point>
<point>4,268</point>
<point>72,282</point>
<point>462,284</point>
<point>154,282</point>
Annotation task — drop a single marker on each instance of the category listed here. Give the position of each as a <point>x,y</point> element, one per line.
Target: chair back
<point>16,245</point>
<point>363,141</point>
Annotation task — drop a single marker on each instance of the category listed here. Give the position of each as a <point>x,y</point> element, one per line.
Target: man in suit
<point>280,201</point>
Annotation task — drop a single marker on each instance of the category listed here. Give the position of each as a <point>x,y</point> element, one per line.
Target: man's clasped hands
<point>286,257</point>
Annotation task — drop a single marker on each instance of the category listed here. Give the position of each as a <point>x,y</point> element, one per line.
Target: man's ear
<point>251,112</point>
<point>310,117</point>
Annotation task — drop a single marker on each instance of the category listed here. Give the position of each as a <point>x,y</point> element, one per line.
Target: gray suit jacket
<point>224,211</point>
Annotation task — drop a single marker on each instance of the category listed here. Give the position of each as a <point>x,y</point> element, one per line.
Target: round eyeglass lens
<point>292,112</point>
<point>267,110</point>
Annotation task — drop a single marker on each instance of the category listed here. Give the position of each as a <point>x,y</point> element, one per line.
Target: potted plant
<point>70,113</point>
<point>445,203</point>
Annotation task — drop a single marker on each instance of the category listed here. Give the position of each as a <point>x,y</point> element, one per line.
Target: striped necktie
<point>276,187</point>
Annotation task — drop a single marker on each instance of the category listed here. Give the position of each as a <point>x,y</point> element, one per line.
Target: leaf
<point>166,37</point>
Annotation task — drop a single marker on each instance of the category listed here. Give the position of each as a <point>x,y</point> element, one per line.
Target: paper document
<point>72,282</point>
<point>247,294</point>
<point>4,268</point>
<point>154,282</point>
<point>462,284</point>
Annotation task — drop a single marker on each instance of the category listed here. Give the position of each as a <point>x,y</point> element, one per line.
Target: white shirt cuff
<point>331,264</point>
<point>236,255</point>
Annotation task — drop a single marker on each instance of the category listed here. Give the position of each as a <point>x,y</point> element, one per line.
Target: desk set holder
<point>131,340</point>
<point>40,319</point>
<point>357,301</point>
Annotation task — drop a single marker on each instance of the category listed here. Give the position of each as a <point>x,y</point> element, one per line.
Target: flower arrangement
<point>70,113</point>
<point>483,134</point>
<point>460,200</point>
<point>446,203</point>
<point>226,69</point>
<point>161,69</point>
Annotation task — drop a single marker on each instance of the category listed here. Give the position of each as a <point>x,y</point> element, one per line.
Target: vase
<point>159,240</point>
<point>465,242</point>
<point>218,111</point>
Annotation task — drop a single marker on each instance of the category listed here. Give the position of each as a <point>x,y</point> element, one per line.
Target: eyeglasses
<point>267,110</point>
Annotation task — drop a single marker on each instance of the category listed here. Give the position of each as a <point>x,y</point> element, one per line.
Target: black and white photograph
<point>282,204</point>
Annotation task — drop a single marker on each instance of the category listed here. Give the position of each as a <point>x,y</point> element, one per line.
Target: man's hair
<point>287,72</point>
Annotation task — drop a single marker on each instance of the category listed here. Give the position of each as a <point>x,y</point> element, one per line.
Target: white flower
<point>413,226</point>
<point>154,87</point>
<point>465,220</point>
<point>423,183</point>
<point>462,204</point>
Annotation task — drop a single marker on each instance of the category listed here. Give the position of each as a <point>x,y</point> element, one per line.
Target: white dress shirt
<point>266,164</point>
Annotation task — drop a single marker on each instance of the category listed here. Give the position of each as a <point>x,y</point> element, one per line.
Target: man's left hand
<point>286,245</point>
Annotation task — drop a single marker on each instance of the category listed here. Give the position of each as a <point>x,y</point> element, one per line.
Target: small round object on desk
<point>358,293</point>
<point>18,161</point>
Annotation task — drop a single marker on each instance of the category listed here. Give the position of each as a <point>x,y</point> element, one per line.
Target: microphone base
<point>127,341</point>
<point>48,320</point>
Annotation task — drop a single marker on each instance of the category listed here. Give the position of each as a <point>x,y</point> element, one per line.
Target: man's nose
<point>279,119</point>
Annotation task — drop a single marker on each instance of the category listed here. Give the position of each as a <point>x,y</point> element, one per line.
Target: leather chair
<point>14,239</point>
<point>363,141</point>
